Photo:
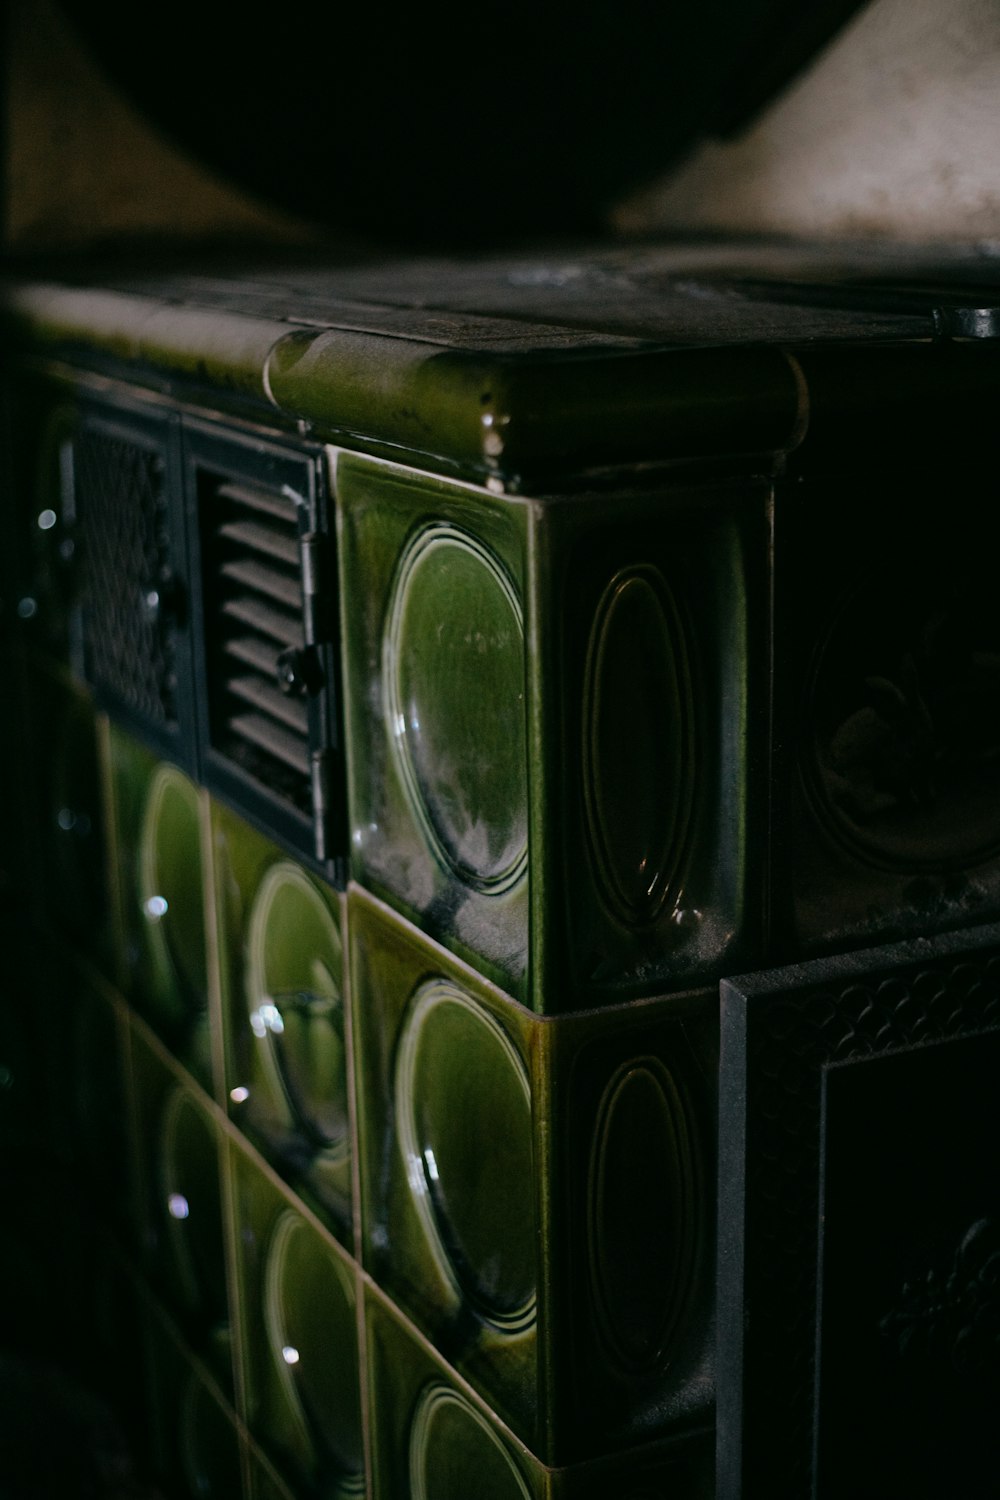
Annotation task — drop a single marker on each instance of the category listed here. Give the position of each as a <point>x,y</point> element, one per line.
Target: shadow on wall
<point>83,167</point>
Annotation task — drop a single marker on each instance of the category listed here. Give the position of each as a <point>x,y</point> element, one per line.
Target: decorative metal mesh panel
<point>122,502</point>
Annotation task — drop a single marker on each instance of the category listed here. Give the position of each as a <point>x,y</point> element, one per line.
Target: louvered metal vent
<point>129,634</point>
<point>255,634</point>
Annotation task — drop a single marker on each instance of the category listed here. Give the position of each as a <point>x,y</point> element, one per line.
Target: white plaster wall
<point>894,131</point>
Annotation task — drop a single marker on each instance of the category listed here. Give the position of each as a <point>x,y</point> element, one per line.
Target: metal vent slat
<point>277,742</point>
<point>264,502</point>
<point>251,535</point>
<point>264,580</point>
<point>263,539</point>
<point>270,622</point>
<point>263,657</point>
<point>289,711</point>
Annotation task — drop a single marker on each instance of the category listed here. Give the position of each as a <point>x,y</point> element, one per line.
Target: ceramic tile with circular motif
<point>297,1294</point>
<point>537,1192</point>
<point>551,711</point>
<point>433,1439</point>
<point>180,1210</point>
<point>283,974</point>
<point>198,1447</point>
<point>158,818</point>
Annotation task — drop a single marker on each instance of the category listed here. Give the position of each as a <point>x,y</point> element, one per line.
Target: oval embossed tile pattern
<point>296,1007</point>
<point>642,1218</point>
<point>312,1332</point>
<point>453,677</point>
<point>454,1453</point>
<point>638,745</point>
<point>171,891</point>
<point>459,1076</point>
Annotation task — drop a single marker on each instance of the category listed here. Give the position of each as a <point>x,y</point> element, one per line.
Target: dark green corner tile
<point>537,1193</point>
<point>199,1451</point>
<point>283,972</point>
<point>631,1102</point>
<point>179,1142</point>
<point>301,1378</point>
<point>158,845</point>
<point>557,728</point>
<point>433,1439</point>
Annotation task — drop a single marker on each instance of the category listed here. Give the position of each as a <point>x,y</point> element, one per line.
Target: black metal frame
<point>191,448</point>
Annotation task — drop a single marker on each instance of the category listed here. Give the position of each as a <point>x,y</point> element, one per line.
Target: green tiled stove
<point>433,682</point>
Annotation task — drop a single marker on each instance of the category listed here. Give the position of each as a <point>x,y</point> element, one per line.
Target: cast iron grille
<point>129,633</point>
<point>254,628</point>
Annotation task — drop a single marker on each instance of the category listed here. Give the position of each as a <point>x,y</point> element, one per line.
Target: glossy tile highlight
<point>283,982</point>
<point>537,1193</point>
<point>552,710</point>
<point>181,1223</point>
<point>158,836</point>
<point>297,1298</point>
<point>432,1439</point>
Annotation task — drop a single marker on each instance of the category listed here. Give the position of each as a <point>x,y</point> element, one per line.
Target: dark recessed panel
<point>859,1172</point>
<point>908,1353</point>
<point>887,705</point>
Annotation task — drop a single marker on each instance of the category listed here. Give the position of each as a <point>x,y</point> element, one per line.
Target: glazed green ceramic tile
<point>554,709</point>
<point>450,1156</point>
<point>179,1140</point>
<point>433,585</point>
<point>631,1098</point>
<point>536,1193</point>
<point>282,971</point>
<point>432,1439</point>
<point>298,1326</point>
<point>65,797</point>
<point>158,835</point>
<point>199,1449</point>
<point>264,1482</point>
